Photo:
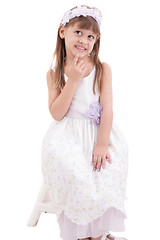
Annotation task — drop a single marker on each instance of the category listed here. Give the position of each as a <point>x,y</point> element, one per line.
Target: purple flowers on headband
<point>94,112</point>
<point>84,11</point>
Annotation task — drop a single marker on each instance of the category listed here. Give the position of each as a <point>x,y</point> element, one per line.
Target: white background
<point>130,44</point>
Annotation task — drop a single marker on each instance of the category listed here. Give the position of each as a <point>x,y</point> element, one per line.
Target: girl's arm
<point>107,104</point>
<point>100,152</point>
<point>59,102</point>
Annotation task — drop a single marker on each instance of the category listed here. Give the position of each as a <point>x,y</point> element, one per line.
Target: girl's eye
<point>78,32</point>
<point>91,37</point>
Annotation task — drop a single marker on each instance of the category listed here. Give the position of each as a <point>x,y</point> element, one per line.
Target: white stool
<point>42,204</point>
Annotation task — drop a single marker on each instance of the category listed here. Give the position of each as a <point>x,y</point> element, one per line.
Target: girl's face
<point>78,41</point>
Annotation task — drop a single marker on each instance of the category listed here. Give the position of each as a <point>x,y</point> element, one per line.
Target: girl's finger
<point>84,69</point>
<point>94,162</point>
<point>104,162</point>
<point>109,158</point>
<point>76,59</point>
<point>80,63</point>
<point>99,163</point>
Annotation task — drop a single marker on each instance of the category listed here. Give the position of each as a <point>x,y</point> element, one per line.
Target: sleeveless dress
<point>87,203</point>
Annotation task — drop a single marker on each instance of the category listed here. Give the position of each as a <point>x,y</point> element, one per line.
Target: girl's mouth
<point>81,49</point>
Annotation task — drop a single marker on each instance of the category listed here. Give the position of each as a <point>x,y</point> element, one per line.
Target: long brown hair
<point>60,52</point>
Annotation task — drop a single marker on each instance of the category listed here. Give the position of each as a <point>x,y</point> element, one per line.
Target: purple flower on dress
<point>94,111</point>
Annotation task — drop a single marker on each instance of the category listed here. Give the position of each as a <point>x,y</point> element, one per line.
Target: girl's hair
<point>60,52</point>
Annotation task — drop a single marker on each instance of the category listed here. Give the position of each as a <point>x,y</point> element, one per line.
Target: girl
<point>84,154</point>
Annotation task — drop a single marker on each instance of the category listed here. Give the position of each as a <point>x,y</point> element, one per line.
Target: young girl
<point>84,154</point>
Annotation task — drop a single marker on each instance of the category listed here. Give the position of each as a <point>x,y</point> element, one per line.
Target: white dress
<point>86,202</point>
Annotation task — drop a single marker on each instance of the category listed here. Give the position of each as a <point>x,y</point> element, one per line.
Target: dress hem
<point>111,221</point>
<point>123,213</point>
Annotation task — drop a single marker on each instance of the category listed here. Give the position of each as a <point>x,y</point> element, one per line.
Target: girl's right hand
<point>77,69</point>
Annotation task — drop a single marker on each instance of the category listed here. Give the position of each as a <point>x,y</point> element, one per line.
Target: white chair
<point>43,204</point>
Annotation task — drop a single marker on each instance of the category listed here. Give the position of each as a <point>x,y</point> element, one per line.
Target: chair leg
<point>33,220</point>
<point>36,212</point>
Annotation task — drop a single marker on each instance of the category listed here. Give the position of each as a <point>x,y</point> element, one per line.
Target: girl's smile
<point>80,48</point>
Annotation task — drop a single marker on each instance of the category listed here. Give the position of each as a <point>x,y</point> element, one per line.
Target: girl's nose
<point>83,41</point>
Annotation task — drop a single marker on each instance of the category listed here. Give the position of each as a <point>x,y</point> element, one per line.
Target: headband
<point>84,11</point>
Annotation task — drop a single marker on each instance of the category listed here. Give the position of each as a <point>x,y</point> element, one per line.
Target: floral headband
<point>84,11</point>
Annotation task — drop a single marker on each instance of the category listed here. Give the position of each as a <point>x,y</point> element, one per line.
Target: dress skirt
<point>87,203</point>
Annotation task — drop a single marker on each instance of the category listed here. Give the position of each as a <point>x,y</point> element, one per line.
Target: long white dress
<point>86,202</point>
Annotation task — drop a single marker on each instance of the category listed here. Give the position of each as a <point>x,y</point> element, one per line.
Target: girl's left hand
<point>99,155</point>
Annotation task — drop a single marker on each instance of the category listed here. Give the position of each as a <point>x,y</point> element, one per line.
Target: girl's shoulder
<point>106,87</point>
<point>50,77</point>
<point>106,66</point>
<point>107,71</point>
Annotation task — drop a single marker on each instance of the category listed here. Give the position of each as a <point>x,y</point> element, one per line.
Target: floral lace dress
<point>86,202</point>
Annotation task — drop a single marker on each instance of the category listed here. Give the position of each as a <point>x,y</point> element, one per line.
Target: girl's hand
<point>77,69</point>
<point>99,155</point>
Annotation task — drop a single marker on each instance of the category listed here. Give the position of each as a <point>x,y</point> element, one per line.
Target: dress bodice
<point>83,96</point>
